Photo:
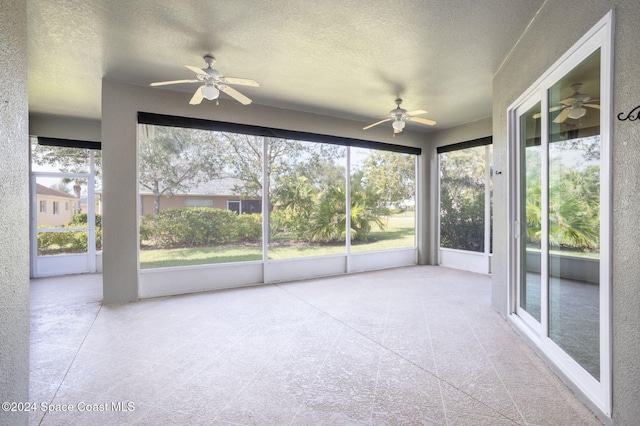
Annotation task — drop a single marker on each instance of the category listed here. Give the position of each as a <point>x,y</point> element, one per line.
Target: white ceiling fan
<point>212,83</point>
<point>572,107</point>
<point>400,116</point>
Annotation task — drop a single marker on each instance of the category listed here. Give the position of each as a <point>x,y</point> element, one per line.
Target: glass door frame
<point>537,328</point>
<point>598,393</point>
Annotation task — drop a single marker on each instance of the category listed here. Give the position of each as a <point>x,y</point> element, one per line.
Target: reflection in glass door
<point>559,214</point>
<point>574,214</point>
<point>530,215</point>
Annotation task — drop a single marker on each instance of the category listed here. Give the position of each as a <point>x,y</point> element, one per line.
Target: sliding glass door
<point>561,202</point>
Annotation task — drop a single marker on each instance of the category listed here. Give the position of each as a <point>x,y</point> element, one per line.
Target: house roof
<point>43,190</point>
<point>219,187</point>
<point>337,58</point>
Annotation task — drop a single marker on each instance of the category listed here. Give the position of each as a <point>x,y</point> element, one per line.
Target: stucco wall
<point>120,105</point>
<point>14,210</point>
<point>559,24</point>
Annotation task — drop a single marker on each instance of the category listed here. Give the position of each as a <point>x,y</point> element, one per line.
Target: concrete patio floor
<point>416,345</point>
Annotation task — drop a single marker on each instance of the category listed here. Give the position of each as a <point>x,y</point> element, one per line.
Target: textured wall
<point>64,127</point>
<point>559,24</point>
<point>14,210</point>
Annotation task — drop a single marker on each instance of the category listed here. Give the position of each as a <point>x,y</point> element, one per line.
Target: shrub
<point>247,227</point>
<point>199,226</point>
<point>65,241</point>
<point>80,219</point>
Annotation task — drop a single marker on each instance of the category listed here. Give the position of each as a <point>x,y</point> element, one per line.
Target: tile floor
<point>417,345</point>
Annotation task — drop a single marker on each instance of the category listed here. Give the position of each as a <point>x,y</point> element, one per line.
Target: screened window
<point>465,191</point>
<point>304,203</point>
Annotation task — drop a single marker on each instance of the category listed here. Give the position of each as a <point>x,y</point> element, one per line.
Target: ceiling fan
<point>572,107</point>
<point>400,116</point>
<point>212,83</point>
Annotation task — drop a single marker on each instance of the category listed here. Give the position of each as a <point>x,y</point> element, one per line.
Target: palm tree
<point>328,221</point>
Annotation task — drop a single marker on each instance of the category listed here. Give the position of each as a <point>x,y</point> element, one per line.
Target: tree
<point>174,159</point>
<point>574,195</point>
<point>328,220</point>
<point>462,199</point>
<point>65,159</point>
<point>61,186</point>
<point>392,173</point>
<point>286,161</point>
<point>68,160</point>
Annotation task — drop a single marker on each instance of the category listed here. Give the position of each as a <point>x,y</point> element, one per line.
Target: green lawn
<point>398,234</point>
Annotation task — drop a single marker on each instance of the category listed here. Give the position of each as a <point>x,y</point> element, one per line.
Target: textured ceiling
<point>342,58</point>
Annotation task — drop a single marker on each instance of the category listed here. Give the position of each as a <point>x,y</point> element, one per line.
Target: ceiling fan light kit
<point>572,107</point>
<point>398,125</point>
<point>577,113</point>
<point>210,92</point>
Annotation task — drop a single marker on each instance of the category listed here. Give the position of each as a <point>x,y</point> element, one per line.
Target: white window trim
<point>229,202</point>
<point>599,393</point>
<point>462,263</point>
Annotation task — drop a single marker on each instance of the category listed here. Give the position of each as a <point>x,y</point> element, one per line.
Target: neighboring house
<point>54,207</point>
<point>219,193</point>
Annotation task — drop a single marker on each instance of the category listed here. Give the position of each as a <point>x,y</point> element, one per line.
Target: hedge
<point>199,226</point>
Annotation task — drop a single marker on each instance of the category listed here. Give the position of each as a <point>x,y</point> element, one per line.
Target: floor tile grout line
<point>72,361</point>
<point>402,357</point>
<point>384,336</point>
<point>251,380</point>
<point>493,365</point>
<point>334,347</point>
<point>435,362</point>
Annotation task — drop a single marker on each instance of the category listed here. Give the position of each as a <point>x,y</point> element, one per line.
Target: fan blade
<point>164,83</point>
<point>564,114</point>
<point>197,97</point>
<point>416,112</point>
<point>556,108</point>
<point>198,70</point>
<point>422,121</point>
<point>596,106</point>
<point>375,124</point>
<point>536,115</point>
<point>234,94</point>
<point>240,81</point>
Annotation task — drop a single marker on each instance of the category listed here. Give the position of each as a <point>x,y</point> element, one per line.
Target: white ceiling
<point>346,58</point>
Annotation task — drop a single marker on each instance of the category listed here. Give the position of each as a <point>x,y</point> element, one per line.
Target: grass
<point>399,233</point>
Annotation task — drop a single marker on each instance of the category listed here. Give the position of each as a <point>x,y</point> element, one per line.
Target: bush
<point>69,241</point>
<point>247,227</point>
<point>80,219</point>
<point>199,226</point>
<point>65,241</point>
